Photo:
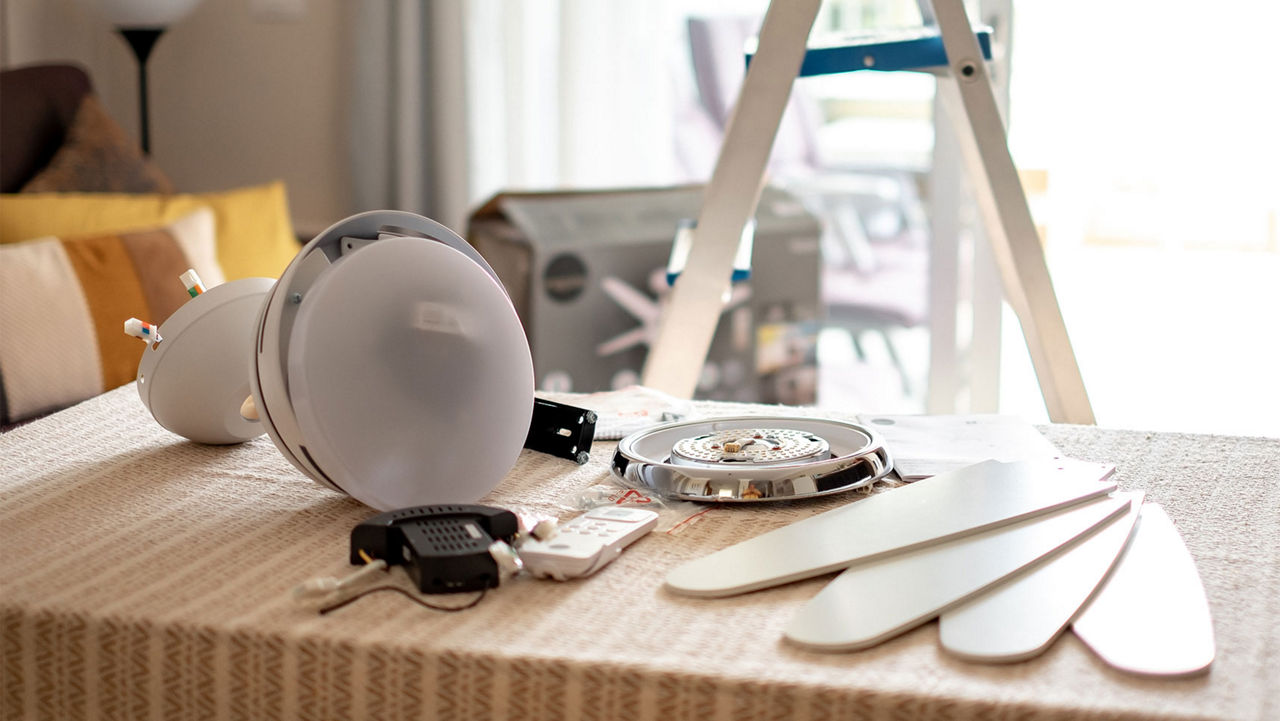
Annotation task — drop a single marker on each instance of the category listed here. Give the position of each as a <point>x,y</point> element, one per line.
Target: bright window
<point>1154,135</point>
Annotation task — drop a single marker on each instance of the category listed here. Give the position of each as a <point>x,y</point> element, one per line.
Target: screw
<point>296,298</point>
<point>582,458</point>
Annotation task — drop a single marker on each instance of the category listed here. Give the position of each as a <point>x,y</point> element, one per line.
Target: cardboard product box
<point>587,274</point>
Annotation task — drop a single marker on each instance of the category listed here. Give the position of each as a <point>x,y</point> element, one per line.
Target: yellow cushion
<point>255,235</point>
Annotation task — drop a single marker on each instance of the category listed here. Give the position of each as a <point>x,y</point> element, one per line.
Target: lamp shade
<point>142,13</point>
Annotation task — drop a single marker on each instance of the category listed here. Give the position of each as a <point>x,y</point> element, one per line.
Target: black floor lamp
<point>141,23</point>
<point>141,40</point>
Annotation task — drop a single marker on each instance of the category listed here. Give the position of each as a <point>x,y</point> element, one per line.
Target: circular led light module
<point>752,458</point>
<point>757,446</point>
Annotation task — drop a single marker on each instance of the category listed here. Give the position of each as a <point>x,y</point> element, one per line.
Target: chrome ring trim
<point>859,458</point>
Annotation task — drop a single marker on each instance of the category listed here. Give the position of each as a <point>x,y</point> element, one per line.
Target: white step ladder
<point>965,91</point>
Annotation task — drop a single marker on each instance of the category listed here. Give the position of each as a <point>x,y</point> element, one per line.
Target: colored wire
<point>406,594</point>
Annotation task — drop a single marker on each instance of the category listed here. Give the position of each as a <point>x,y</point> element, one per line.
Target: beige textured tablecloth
<point>146,577</point>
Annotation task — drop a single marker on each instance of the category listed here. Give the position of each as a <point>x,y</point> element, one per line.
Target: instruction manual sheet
<point>924,446</point>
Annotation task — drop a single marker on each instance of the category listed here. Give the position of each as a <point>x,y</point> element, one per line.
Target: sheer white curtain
<point>453,101</point>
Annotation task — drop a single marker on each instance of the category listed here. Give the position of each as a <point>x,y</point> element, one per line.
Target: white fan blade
<point>1021,617</point>
<point>1152,616</point>
<point>949,505</point>
<point>873,602</point>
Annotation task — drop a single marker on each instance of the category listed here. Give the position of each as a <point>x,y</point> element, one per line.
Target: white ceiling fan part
<point>268,370</point>
<point>836,457</point>
<point>1021,617</point>
<point>402,379</point>
<point>268,377</point>
<point>1151,617</point>
<point>872,602</point>
<point>194,381</point>
<point>270,381</point>
<point>943,507</point>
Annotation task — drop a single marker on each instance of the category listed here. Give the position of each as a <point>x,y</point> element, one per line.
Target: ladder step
<point>914,49</point>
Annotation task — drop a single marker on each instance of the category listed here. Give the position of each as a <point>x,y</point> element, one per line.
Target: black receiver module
<point>444,549</point>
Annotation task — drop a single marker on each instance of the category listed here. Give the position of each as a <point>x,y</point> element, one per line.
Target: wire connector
<point>326,586</point>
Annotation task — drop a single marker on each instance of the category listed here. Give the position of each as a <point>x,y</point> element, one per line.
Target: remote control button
<point>625,515</point>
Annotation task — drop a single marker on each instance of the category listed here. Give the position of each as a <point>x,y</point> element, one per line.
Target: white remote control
<point>587,543</point>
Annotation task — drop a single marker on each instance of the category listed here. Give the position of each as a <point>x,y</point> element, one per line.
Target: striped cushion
<point>63,303</point>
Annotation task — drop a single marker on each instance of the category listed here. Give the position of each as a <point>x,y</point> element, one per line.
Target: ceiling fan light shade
<point>391,365</point>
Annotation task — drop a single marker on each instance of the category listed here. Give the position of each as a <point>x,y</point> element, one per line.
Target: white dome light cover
<point>390,364</point>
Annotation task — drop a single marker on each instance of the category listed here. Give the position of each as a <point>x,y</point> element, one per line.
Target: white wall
<point>237,98</point>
